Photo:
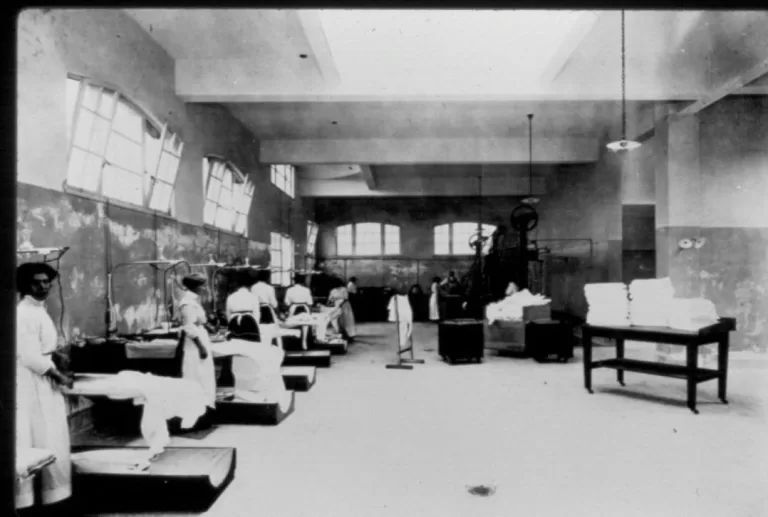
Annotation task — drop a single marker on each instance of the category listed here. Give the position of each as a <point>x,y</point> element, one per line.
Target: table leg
<point>722,367</point>
<point>587,346</point>
<point>692,353</point>
<point>620,355</point>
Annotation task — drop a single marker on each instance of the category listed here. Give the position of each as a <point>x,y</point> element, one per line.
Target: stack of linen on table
<point>608,304</point>
<point>650,301</point>
<point>691,314</point>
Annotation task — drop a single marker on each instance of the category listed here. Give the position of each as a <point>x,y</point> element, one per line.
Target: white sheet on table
<point>256,367</point>
<point>163,398</point>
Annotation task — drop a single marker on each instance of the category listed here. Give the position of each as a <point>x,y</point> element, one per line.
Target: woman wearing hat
<point>41,414</point>
<point>197,362</point>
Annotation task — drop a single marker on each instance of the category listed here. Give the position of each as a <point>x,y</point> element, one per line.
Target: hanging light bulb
<point>530,200</point>
<point>623,144</point>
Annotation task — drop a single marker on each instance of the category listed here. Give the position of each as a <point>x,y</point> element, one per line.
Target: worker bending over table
<point>41,414</point>
<point>243,308</point>
<point>298,297</point>
<point>344,321</point>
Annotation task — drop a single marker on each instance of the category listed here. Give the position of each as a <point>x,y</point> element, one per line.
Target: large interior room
<point>339,263</point>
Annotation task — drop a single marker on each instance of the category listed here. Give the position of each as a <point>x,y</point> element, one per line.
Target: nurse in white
<point>41,413</point>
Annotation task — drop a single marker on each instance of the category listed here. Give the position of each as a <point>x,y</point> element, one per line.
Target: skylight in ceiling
<point>434,51</point>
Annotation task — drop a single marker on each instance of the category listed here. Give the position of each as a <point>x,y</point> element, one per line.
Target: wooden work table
<point>691,340</point>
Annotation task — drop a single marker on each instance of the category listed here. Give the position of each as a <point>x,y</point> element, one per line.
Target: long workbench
<point>691,340</point>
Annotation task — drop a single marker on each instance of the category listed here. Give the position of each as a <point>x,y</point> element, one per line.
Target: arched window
<point>284,178</point>
<point>367,240</point>
<point>118,151</point>
<point>228,195</point>
<point>453,238</point>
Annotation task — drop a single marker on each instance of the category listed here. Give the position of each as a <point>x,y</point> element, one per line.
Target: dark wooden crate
<point>461,340</point>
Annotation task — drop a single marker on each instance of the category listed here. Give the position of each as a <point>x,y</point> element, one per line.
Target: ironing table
<point>118,479</point>
<point>691,340</point>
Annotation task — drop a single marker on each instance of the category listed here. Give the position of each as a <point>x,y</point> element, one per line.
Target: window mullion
<point>104,160</point>
<point>75,118</point>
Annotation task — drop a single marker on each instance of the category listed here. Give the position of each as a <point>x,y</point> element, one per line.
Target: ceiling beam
<point>430,150</point>
<point>726,88</point>
<point>585,23</point>
<point>315,34</point>
<point>416,186</point>
<point>370,179</point>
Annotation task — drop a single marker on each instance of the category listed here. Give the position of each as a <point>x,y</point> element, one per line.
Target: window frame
<point>286,265</point>
<point>283,176</point>
<point>452,238</point>
<point>383,248</point>
<point>149,178</point>
<point>313,230</point>
<point>247,189</point>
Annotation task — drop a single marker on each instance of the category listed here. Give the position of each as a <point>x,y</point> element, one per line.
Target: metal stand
<point>403,364</point>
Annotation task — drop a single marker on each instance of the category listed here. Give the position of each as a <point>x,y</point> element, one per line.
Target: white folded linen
<point>691,314</point>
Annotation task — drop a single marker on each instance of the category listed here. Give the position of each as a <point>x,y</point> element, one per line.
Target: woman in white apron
<point>434,312</point>
<point>41,413</point>
<point>197,361</point>
<point>339,298</point>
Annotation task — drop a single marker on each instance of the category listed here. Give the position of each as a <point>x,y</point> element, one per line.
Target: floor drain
<point>481,490</point>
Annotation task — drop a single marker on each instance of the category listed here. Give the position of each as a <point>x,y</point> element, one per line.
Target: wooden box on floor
<point>544,338</point>
<point>461,340</point>
<point>180,479</point>
<point>299,378</point>
<point>231,410</point>
<point>318,358</point>
<point>509,336</point>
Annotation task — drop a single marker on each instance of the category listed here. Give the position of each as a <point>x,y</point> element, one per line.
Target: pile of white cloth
<point>691,313</point>
<point>163,398</point>
<point>256,367</point>
<point>650,301</point>
<point>511,307</point>
<point>608,304</point>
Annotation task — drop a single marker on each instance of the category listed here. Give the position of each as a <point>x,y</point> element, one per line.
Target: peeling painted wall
<point>102,237</point>
<point>730,188</point>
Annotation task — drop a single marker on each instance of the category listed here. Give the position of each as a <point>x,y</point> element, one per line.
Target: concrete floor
<point>367,441</point>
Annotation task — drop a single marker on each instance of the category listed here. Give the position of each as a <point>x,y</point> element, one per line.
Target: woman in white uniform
<point>434,312</point>
<point>339,298</point>
<point>197,361</point>
<point>41,413</point>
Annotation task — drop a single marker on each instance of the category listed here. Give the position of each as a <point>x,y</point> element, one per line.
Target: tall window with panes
<point>312,230</point>
<point>367,240</point>
<point>453,238</point>
<point>281,258</point>
<point>117,150</point>
<point>284,178</point>
<point>228,195</point>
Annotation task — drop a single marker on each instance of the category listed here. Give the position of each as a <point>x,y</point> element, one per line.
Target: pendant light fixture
<point>530,200</point>
<point>623,144</point>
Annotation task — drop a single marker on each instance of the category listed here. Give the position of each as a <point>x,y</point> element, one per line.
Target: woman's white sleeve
<point>28,346</point>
